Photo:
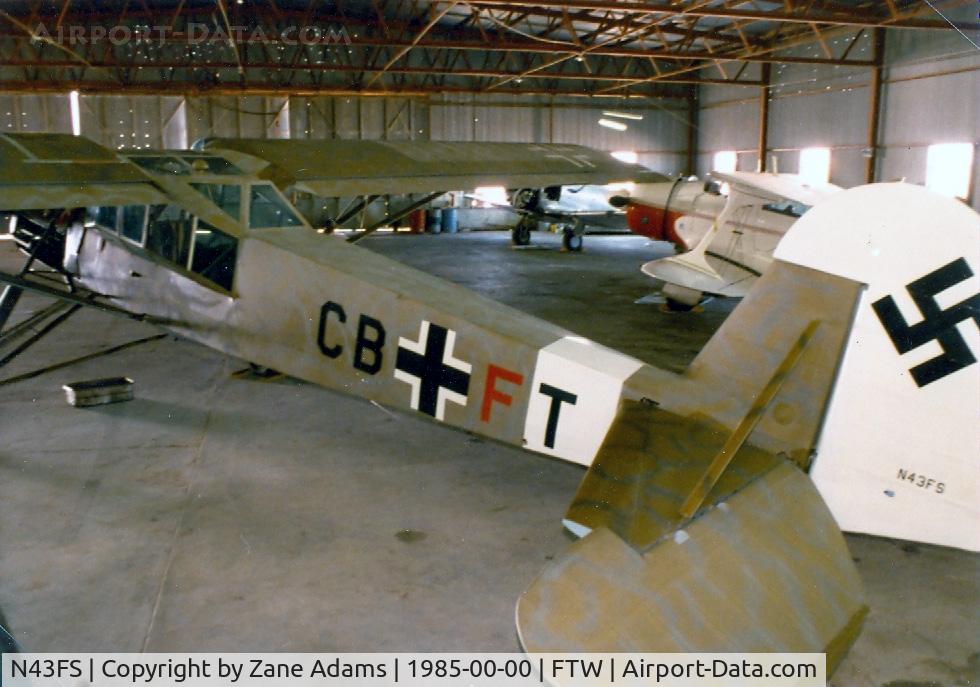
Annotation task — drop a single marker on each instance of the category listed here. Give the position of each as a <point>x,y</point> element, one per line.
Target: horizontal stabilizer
<point>650,463</point>
<point>765,571</point>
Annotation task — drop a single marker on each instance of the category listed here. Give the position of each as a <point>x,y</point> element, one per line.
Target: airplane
<point>575,208</point>
<point>840,393</point>
<point>724,241</point>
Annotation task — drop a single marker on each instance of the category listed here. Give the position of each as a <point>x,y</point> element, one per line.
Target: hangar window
<point>948,168</point>
<point>815,165</point>
<point>268,211</point>
<point>725,161</point>
<point>168,233</point>
<point>76,113</point>
<point>628,156</point>
<point>133,220</point>
<point>489,196</point>
<point>214,255</point>
<point>228,197</point>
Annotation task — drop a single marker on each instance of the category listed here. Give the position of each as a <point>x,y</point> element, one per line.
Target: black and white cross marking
<point>428,366</point>
<point>936,325</point>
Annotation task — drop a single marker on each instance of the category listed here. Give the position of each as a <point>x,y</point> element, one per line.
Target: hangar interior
<point>219,513</point>
<point>710,78</point>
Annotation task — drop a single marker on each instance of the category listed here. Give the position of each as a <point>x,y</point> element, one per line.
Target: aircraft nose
<point>646,220</point>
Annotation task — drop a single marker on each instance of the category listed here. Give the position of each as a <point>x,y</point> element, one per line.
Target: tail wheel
<point>670,305</point>
<point>571,241</point>
<point>520,235</point>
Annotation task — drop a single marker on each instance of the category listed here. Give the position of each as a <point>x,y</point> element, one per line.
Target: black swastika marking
<point>936,325</point>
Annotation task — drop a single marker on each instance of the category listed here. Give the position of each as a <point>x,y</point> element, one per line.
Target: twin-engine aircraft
<point>852,359</point>
<point>724,242</point>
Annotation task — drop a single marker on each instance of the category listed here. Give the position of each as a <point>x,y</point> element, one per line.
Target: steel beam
<point>839,18</point>
<point>874,107</point>
<point>405,71</point>
<point>263,88</point>
<point>692,131</point>
<point>764,94</point>
<point>503,46</point>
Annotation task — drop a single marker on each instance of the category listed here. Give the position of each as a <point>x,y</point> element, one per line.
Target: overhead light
<point>610,124</point>
<point>623,115</point>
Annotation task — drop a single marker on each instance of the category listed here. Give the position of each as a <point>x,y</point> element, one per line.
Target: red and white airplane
<point>725,241</point>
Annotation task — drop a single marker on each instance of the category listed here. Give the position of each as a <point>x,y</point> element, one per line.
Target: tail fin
<point>899,454</point>
<point>890,271</point>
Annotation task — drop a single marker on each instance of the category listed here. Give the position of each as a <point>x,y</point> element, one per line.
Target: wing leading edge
<point>45,171</point>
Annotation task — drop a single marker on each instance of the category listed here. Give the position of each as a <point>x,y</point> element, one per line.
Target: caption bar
<point>383,670</point>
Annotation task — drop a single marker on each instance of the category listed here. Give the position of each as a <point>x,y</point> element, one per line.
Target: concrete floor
<point>215,513</point>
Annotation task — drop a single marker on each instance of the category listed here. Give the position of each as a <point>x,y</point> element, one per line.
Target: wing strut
<point>394,216</point>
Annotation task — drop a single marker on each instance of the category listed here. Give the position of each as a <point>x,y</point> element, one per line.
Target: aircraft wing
<point>44,171</point>
<point>334,168</point>
<point>709,273</point>
<point>778,186</point>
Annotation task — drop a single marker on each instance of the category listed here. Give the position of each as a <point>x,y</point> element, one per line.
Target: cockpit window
<point>788,208</point>
<point>161,164</point>
<point>267,210</point>
<point>105,216</point>
<point>185,165</point>
<point>212,164</point>
<point>228,197</point>
<point>214,255</point>
<point>177,236</point>
<point>133,220</point>
<point>168,233</point>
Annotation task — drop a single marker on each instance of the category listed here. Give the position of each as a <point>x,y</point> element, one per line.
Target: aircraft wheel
<point>520,235</point>
<point>670,305</point>
<point>571,241</point>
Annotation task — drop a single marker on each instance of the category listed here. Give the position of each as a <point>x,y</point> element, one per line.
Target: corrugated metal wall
<point>931,94</point>
<point>660,138</point>
<point>34,113</point>
<point>809,106</point>
<point>728,120</point>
